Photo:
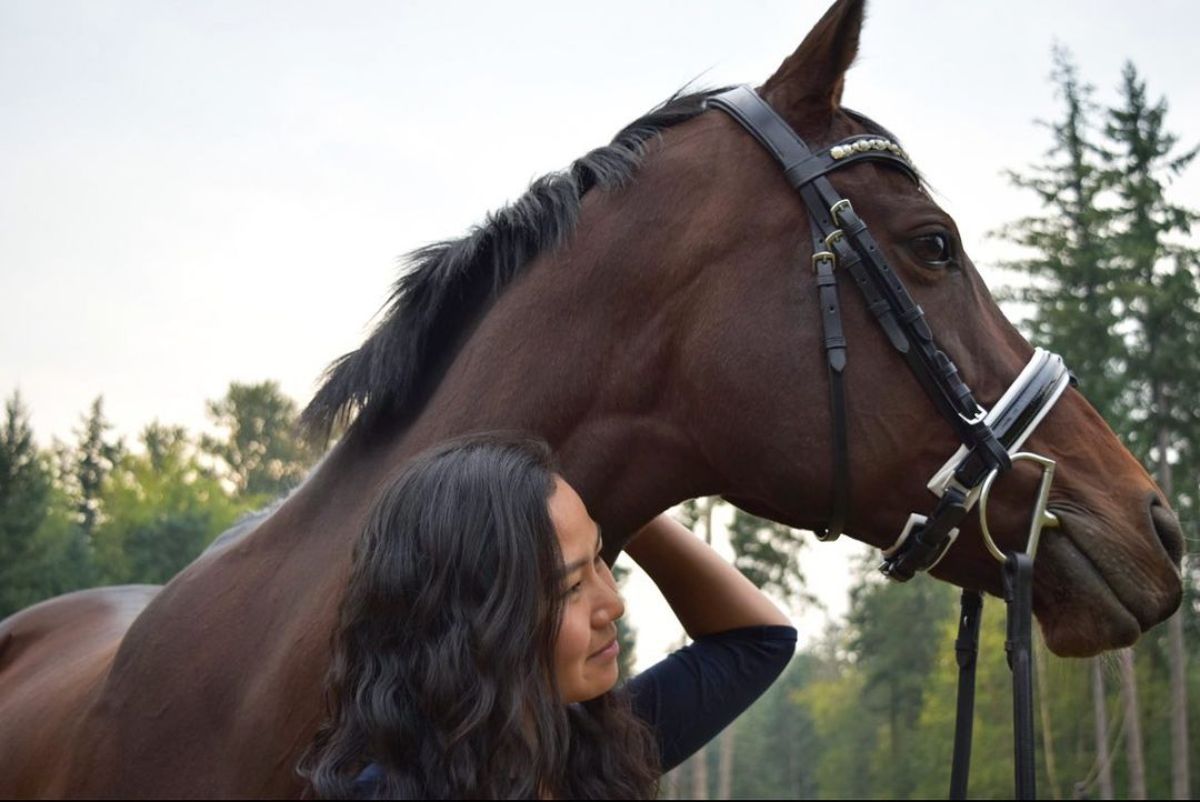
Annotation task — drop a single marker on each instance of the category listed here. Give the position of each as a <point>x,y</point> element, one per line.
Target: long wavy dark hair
<point>443,660</point>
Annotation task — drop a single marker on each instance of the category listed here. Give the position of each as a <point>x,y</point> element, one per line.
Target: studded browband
<point>840,238</point>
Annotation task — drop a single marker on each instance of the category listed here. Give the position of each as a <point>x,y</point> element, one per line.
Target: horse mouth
<point>1091,595</point>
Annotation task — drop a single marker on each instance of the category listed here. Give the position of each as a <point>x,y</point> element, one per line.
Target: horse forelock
<point>449,286</point>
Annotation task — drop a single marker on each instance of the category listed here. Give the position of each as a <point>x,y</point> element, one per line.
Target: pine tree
<point>93,460</point>
<point>1116,290</point>
<point>1070,282</point>
<point>896,637</point>
<point>1161,284</point>
<point>769,555</point>
<point>24,497</point>
<point>42,550</point>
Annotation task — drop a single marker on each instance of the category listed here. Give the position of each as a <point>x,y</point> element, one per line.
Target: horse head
<point>735,301</point>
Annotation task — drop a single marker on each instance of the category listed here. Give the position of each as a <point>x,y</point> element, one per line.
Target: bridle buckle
<point>841,206</point>
<point>823,256</point>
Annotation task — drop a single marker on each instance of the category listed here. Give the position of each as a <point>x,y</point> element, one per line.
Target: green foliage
<point>845,735</point>
<point>162,509</point>
<point>1159,284</point>
<point>43,551</point>
<point>93,512</point>
<point>896,635</point>
<point>991,762</point>
<point>1071,279</point>
<point>263,451</point>
<point>1116,288</point>
<point>1134,350</point>
<point>777,740</point>
<point>769,555</point>
<point>90,464</point>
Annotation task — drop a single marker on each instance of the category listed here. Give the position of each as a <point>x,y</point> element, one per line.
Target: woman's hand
<point>707,594</point>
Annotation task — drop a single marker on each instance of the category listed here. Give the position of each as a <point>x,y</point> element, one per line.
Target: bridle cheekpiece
<point>990,439</point>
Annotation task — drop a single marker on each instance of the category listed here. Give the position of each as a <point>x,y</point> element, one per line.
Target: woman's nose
<point>611,607</point>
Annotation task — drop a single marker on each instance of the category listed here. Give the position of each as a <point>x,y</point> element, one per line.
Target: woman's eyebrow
<point>582,561</point>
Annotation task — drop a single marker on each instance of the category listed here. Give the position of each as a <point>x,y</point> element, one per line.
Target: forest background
<point>1105,273</point>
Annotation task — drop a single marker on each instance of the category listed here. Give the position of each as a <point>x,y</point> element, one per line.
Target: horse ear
<point>809,82</point>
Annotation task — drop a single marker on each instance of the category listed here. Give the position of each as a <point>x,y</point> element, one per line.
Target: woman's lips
<point>608,652</point>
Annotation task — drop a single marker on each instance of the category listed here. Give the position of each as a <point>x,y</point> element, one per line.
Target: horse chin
<point>1086,628</point>
<point>1084,604</point>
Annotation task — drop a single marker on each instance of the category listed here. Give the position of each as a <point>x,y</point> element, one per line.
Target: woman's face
<point>585,652</point>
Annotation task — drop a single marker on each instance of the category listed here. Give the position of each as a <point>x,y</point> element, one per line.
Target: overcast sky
<point>193,193</point>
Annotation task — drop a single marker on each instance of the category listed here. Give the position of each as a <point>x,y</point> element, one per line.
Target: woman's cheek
<point>571,649</point>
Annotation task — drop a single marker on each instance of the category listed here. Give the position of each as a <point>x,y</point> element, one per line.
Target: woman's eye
<point>933,249</point>
<point>574,589</point>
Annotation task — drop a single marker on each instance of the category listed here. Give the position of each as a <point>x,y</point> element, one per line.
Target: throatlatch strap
<point>1018,595</point>
<point>966,650</point>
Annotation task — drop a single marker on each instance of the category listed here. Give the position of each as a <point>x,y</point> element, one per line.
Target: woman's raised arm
<point>707,594</point>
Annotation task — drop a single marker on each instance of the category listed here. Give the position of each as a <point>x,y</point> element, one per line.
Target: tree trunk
<point>669,788</point>
<point>707,514</point>
<point>725,766</point>
<point>1133,727</point>
<point>1180,781</point>
<point>698,768</point>
<point>1103,758</point>
<point>1039,655</point>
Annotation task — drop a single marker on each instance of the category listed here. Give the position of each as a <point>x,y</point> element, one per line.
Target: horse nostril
<point>1167,527</point>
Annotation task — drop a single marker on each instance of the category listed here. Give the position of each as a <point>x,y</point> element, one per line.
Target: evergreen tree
<point>778,745</point>
<point>42,551</point>
<point>92,461</point>
<point>1070,280</point>
<point>24,497</point>
<point>769,555</point>
<point>1117,291</point>
<point>1160,284</point>
<point>896,637</point>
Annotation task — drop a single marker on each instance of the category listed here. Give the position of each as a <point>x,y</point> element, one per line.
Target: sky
<point>196,193</point>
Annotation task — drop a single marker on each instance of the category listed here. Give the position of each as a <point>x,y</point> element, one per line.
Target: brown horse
<point>658,326</point>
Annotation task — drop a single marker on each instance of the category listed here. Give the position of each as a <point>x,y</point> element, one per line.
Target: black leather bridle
<point>990,439</point>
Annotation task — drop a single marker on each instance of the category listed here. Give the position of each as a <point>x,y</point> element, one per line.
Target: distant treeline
<point>868,712</point>
<point>99,511</point>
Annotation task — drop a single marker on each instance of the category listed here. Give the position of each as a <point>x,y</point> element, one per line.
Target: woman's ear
<point>807,88</point>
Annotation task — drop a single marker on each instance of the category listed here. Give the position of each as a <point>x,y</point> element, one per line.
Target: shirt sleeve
<point>694,693</point>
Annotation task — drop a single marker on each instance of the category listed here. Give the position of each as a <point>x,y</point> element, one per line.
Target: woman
<point>476,654</point>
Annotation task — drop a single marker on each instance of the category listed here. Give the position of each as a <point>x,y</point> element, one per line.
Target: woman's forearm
<point>707,594</point>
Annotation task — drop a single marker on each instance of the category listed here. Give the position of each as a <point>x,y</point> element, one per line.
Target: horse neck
<point>570,354</point>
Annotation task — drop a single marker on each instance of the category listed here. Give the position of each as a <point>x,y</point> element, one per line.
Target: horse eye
<point>932,248</point>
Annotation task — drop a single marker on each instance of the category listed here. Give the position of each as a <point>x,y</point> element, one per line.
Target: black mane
<point>451,284</point>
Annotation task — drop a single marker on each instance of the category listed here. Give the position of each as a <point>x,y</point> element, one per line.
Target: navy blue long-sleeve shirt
<point>689,696</point>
